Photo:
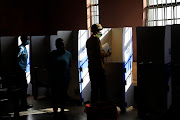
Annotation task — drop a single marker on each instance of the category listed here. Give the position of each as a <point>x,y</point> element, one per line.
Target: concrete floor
<point>42,110</point>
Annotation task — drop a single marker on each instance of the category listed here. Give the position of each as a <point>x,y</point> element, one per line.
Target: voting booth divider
<point>118,67</point>
<point>154,70</point>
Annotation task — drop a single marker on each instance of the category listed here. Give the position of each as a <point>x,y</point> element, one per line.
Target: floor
<point>42,110</point>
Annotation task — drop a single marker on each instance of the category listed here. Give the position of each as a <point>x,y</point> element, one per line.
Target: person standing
<point>59,63</point>
<point>22,57</point>
<point>96,57</point>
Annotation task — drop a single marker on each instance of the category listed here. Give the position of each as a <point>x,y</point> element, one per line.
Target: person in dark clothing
<point>96,57</point>
<point>59,63</point>
<point>21,83</point>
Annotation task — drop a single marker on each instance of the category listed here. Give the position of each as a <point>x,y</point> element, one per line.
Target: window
<point>94,11</point>
<point>163,12</point>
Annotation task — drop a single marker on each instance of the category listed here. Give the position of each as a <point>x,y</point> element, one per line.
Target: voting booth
<point>118,67</point>
<point>154,69</point>
<point>40,48</point>
<point>175,30</point>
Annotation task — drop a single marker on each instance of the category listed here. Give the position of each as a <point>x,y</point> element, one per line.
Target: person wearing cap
<point>96,57</point>
<point>22,56</point>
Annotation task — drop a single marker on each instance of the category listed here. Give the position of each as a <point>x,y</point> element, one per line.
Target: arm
<point>102,52</point>
<point>20,51</point>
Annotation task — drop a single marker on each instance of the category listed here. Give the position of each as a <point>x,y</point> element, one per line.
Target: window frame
<point>94,11</point>
<point>165,8</point>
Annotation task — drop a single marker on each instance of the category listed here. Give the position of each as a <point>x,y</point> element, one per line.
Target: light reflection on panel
<point>83,64</point>
<point>85,71</point>
<point>127,43</point>
<point>128,82</point>
<point>83,55</point>
<point>86,80</point>
<point>104,31</point>
<point>127,55</point>
<point>82,37</point>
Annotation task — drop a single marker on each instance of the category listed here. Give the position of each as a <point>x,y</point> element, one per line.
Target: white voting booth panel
<point>41,46</point>
<point>118,66</point>
<point>84,80</point>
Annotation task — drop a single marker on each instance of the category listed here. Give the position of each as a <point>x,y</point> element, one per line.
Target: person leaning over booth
<point>96,57</point>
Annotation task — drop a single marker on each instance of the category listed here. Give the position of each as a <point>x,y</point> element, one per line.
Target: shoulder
<point>67,52</point>
<point>52,52</point>
<point>92,39</point>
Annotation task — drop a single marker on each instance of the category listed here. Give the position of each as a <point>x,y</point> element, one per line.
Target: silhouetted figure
<point>59,63</point>
<point>21,84</point>
<point>96,57</point>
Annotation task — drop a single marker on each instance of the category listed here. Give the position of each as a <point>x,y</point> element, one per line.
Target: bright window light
<point>162,12</point>
<point>94,11</point>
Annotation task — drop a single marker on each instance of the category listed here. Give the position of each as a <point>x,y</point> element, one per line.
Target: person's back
<point>93,52</point>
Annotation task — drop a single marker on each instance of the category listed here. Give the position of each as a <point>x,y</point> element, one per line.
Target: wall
<point>41,17</point>
<point>121,13</point>
<point>47,17</point>
<point>68,15</point>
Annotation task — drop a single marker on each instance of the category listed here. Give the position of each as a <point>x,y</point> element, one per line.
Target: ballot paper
<point>106,47</point>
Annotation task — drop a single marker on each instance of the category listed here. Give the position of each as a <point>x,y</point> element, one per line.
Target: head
<point>60,44</point>
<point>96,29</point>
<point>25,39</point>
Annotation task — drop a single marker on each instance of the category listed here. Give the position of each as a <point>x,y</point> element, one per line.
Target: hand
<point>109,52</point>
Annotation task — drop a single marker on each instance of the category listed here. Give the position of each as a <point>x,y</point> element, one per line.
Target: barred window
<point>94,11</point>
<point>163,12</point>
